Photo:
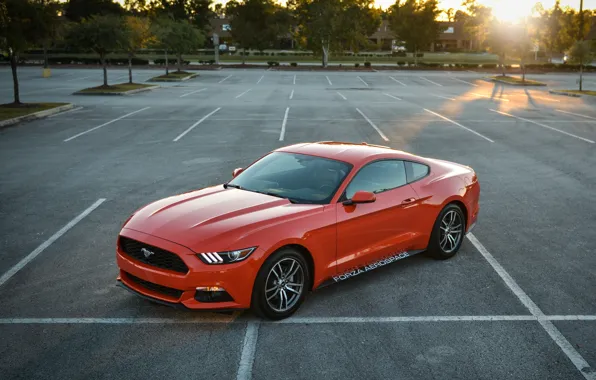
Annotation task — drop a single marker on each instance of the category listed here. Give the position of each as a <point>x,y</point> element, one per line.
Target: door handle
<point>408,201</point>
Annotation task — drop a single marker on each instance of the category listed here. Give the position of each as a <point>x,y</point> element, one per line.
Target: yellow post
<point>46,73</point>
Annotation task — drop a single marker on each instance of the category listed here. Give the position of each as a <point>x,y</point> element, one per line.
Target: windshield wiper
<point>279,196</point>
<point>226,185</point>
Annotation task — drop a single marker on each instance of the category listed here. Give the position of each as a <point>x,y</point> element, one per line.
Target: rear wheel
<point>448,233</point>
<point>281,285</point>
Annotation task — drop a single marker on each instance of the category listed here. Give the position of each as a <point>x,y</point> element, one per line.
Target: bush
<point>293,64</point>
<point>401,63</point>
<point>399,54</point>
<point>367,64</point>
<point>356,64</point>
<point>419,55</point>
<point>489,65</point>
<point>272,63</point>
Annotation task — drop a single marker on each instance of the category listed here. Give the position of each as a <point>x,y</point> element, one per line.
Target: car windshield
<point>298,177</point>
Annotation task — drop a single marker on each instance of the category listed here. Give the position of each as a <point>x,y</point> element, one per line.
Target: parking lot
<point>517,302</point>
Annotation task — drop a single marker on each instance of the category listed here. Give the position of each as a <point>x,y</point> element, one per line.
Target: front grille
<point>175,293</point>
<point>159,258</point>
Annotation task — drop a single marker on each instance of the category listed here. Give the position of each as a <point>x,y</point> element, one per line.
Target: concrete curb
<point>173,79</point>
<point>36,115</point>
<point>516,84</point>
<point>130,92</point>
<point>571,94</point>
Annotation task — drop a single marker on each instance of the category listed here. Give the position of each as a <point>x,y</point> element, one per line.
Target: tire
<point>285,272</point>
<point>440,246</point>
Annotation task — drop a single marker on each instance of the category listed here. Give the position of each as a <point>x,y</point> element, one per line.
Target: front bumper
<point>179,289</point>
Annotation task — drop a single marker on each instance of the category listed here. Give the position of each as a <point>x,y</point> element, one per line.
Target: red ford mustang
<point>297,219</point>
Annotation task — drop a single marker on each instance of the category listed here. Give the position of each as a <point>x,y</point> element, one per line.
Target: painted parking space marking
<point>240,95</point>
<point>577,114</point>
<point>544,126</point>
<point>400,82</point>
<point>373,125</point>
<point>580,363</point>
<point>65,112</point>
<point>282,133</point>
<point>442,97</point>
<point>490,97</point>
<point>459,125</point>
<point>260,79</point>
<point>43,246</point>
<point>70,80</point>
<point>104,124</point>
<point>193,92</point>
<point>292,94</point>
<point>391,96</point>
<point>329,80</point>
<point>340,94</point>
<point>430,81</point>
<point>464,81</point>
<point>249,348</point>
<point>196,124</point>
<point>362,80</point>
<point>226,78</point>
<point>294,81</point>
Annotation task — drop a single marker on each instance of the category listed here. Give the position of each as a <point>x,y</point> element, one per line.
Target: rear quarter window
<point>416,171</point>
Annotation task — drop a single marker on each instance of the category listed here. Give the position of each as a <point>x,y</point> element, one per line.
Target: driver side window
<point>377,177</point>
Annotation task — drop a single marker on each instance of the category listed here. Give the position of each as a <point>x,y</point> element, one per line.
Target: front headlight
<point>227,257</point>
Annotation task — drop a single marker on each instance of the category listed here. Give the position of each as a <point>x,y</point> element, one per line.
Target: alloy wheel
<point>451,231</point>
<point>284,284</point>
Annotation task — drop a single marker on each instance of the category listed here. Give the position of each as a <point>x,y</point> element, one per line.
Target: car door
<point>367,232</point>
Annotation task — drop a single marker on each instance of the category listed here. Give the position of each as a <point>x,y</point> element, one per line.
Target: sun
<point>511,10</point>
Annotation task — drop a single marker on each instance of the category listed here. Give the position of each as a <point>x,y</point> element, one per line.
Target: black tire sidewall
<point>434,246</point>
<point>259,303</point>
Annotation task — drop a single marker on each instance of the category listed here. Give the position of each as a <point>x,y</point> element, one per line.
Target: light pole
<point>580,38</point>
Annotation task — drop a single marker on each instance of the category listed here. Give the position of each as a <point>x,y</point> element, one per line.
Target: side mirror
<point>237,171</point>
<point>361,197</point>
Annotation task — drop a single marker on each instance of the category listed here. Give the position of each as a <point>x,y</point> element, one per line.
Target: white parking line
<point>403,84</point>
<point>223,80</point>
<point>237,96</point>
<point>70,80</point>
<point>580,363</point>
<point>329,80</point>
<point>104,124</point>
<point>442,97</point>
<point>339,93</point>
<point>362,80</point>
<point>260,79</point>
<point>464,81</point>
<point>291,94</point>
<point>195,124</point>
<point>27,259</point>
<point>123,76</point>
<point>490,97</point>
<point>577,114</point>
<point>294,79</point>
<point>192,92</point>
<point>249,347</point>
<point>64,113</point>
<point>542,97</point>
<point>544,126</point>
<point>373,125</point>
<point>282,133</point>
<point>459,125</point>
<point>391,96</point>
<point>430,81</point>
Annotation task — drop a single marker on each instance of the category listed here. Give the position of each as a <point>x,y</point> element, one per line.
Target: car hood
<point>214,218</point>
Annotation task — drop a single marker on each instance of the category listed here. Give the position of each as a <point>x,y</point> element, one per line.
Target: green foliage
<point>100,34</point>
<point>19,25</point>
<point>138,33</point>
<point>197,12</point>
<point>179,37</point>
<point>77,10</point>
<point>477,20</point>
<point>582,53</point>
<point>415,22</point>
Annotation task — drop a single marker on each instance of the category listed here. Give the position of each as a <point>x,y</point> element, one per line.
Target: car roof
<point>353,153</point>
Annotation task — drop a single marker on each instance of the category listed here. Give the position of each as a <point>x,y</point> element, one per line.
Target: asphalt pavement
<point>517,302</point>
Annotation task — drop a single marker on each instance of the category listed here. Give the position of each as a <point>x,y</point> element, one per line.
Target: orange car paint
<point>337,237</point>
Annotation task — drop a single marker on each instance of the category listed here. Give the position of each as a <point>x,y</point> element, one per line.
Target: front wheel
<point>448,233</point>
<point>281,285</point>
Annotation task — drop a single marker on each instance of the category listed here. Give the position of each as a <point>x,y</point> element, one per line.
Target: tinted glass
<point>378,177</point>
<point>416,171</point>
<point>298,177</point>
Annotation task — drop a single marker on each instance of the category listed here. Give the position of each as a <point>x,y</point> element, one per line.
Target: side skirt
<point>368,267</point>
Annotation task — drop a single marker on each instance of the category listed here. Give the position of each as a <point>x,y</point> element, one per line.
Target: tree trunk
<point>15,78</point>
<point>415,55</point>
<point>102,58</point>
<point>503,65</point>
<point>581,75</point>
<point>179,58</point>
<point>325,53</point>
<point>45,56</point>
<point>243,55</point>
<point>130,68</point>
<point>167,69</point>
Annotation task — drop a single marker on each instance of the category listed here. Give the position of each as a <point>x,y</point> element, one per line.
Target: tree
<point>100,34</point>
<point>332,25</point>
<point>178,36</point>
<point>18,31</point>
<point>499,41</point>
<point>450,14</point>
<point>582,53</point>
<point>257,24</point>
<point>197,12</point>
<point>138,36</point>
<point>522,46</point>
<point>77,10</point>
<point>415,22</point>
<point>49,26</point>
<point>478,21</point>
